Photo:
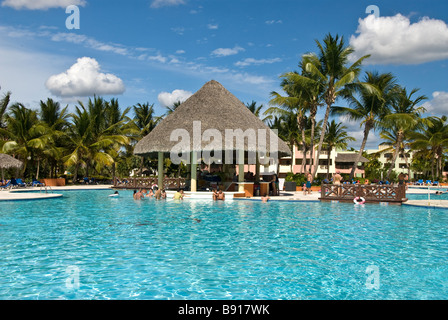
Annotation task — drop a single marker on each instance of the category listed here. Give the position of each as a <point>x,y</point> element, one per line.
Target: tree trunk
<point>328,163</point>
<point>37,173</point>
<point>321,140</point>
<point>304,152</point>
<point>313,128</point>
<point>363,145</point>
<point>394,158</point>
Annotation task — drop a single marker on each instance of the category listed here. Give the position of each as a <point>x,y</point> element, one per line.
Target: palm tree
<point>289,107</point>
<point>256,110</point>
<point>27,137</point>
<point>94,134</point>
<point>4,102</point>
<point>336,136</point>
<point>432,140</point>
<point>330,66</point>
<point>405,116</point>
<point>56,121</point>
<point>118,124</point>
<point>145,121</point>
<point>286,125</point>
<point>171,109</point>
<point>144,118</point>
<point>369,103</point>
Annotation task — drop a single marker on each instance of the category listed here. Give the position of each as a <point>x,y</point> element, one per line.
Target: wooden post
<point>160,170</point>
<point>240,170</point>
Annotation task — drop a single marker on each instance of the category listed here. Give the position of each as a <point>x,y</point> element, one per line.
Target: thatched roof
<point>216,108</point>
<point>349,157</point>
<point>7,162</point>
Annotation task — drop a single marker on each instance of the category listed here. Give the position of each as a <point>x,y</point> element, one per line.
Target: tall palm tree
<point>305,92</point>
<point>289,107</point>
<point>432,140</point>
<point>118,124</point>
<point>369,103</point>
<point>404,117</point>
<point>4,102</point>
<point>92,135</point>
<point>56,121</point>
<point>286,126</point>
<point>330,66</point>
<point>27,137</point>
<point>145,121</point>
<point>336,136</point>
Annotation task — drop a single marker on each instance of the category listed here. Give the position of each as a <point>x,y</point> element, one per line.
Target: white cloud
<point>252,61</point>
<point>166,3</point>
<point>223,52</point>
<point>395,40</point>
<point>273,22</point>
<point>84,79</point>
<point>167,99</point>
<point>212,26</point>
<point>41,4</point>
<point>438,105</point>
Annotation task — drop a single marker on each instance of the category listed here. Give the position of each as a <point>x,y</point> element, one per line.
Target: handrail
<point>371,193</point>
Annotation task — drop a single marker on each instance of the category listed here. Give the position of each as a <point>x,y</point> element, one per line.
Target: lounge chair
<point>37,183</point>
<point>20,183</point>
<point>428,182</point>
<point>419,182</point>
<point>435,183</point>
<point>8,185</point>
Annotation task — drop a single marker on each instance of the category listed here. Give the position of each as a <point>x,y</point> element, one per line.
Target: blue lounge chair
<point>37,183</point>
<point>428,182</point>
<point>419,182</point>
<point>20,183</point>
<point>435,183</point>
<point>8,185</point>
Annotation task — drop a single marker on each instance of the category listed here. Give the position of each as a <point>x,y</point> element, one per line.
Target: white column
<point>194,165</point>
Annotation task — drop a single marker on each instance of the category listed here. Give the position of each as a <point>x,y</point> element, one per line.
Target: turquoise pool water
<point>89,246</point>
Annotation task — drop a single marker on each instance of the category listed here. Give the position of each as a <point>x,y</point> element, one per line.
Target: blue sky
<point>158,51</point>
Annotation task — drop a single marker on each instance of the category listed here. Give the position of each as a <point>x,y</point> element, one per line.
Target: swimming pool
<point>89,246</point>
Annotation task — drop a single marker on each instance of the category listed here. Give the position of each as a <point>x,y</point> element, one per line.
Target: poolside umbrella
<point>7,162</point>
<point>217,109</point>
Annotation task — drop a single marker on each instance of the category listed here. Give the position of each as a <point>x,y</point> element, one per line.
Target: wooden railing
<point>371,193</point>
<point>142,183</point>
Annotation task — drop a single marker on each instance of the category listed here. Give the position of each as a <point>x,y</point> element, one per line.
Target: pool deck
<point>40,194</point>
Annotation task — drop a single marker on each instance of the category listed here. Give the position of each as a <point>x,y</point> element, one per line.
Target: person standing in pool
<point>221,195</point>
<point>179,195</point>
<point>337,181</point>
<point>309,180</point>
<point>215,194</point>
